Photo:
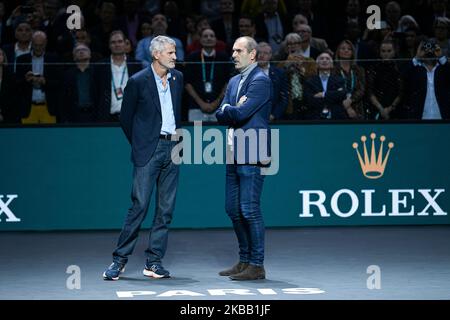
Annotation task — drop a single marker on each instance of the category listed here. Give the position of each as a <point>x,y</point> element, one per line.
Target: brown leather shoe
<point>239,267</point>
<point>250,273</point>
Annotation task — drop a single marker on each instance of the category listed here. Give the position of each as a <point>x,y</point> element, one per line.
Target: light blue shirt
<point>38,94</point>
<point>165,99</point>
<point>431,109</point>
<point>143,50</point>
<point>324,78</point>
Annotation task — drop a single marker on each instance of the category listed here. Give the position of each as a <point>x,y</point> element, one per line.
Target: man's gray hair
<point>251,43</point>
<point>158,44</point>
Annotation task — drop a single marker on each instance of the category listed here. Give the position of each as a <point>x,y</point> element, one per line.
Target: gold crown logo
<point>373,168</point>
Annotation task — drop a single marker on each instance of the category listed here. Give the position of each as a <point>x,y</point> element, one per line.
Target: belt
<point>165,136</point>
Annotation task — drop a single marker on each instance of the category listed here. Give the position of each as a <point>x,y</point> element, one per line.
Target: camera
<point>429,48</point>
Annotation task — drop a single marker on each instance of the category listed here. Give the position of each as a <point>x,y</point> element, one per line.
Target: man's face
<point>246,28</point>
<point>117,44</point>
<point>270,6</point>
<point>39,43</point>
<point>81,53</point>
<point>304,33</point>
<point>107,13</point>
<point>353,8</point>
<point>324,62</point>
<point>264,55</point>
<point>81,36</point>
<point>159,24</point>
<point>208,39</point>
<point>241,57</point>
<point>167,57</point>
<point>297,22</point>
<point>227,6</point>
<point>23,32</point>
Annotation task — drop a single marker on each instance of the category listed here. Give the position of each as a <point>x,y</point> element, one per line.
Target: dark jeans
<point>160,170</point>
<point>242,203</point>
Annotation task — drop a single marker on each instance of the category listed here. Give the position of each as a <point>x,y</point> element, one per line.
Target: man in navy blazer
<point>246,110</point>
<point>150,114</point>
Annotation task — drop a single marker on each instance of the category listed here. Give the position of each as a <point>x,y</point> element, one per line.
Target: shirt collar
<point>209,55</point>
<point>442,60</point>
<point>157,77</point>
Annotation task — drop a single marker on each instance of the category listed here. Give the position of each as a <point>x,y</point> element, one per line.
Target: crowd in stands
<point>323,60</point>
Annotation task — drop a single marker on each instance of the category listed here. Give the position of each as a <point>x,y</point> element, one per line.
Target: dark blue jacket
<point>252,116</point>
<point>141,117</point>
<point>280,92</point>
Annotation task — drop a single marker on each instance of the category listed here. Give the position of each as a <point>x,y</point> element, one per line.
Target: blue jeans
<point>244,185</point>
<point>160,170</point>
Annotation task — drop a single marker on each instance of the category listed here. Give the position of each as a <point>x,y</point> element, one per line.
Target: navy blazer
<point>141,117</point>
<point>254,114</point>
<point>280,91</point>
<point>334,97</point>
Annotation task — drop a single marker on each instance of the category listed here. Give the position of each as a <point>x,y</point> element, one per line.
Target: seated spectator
<point>354,79</point>
<point>159,28</point>
<point>320,44</point>
<point>111,77</point>
<point>247,28</point>
<point>78,98</point>
<point>426,84</point>
<point>22,46</point>
<point>325,92</point>
<point>298,68</point>
<point>200,25</point>
<point>38,83</point>
<point>205,80</point>
<point>279,81</point>
<point>8,108</point>
<point>306,48</point>
<point>384,82</point>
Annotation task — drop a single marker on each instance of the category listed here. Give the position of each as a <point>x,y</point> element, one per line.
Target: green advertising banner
<point>321,175</point>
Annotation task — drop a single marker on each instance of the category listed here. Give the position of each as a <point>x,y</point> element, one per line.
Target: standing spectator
<point>38,83</point>
<point>383,83</point>
<point>100,32</point>
<point>354,78</point>
<point>159,28</point>
<point>174,21</point>
<point>271,24</point>
<point>112,75</point>
<point>22,46</point>
<point>78,95</point>
<point>426,84</point>
<point>130,20</point>
<point>227,26</point>
<point>393,12</point>
<point>8,108</point>
<point>325,92</point>
<point>278,76</point>
<point>206,77</point>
